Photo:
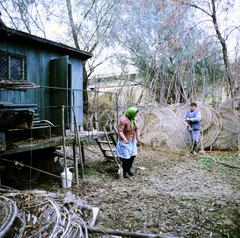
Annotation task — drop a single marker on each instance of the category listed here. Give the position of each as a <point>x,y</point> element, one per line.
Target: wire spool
<point>8,213</point>
<point>51,217</point>
<point>42,214</point>
<point>229,130</point>
<point>206,115</point>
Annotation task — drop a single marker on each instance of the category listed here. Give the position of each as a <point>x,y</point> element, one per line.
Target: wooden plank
<point>43,144</point>
<point>43,80</point>
<point>77,83</point>
<point>125,233</point>
<point>5,102</point>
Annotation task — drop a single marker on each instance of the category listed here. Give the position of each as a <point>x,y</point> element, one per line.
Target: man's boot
<point>130,162</point>
<point>194,149</point>
<point>125,168</point>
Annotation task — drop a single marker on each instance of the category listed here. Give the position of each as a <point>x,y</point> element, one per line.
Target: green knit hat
<point>131,112</point>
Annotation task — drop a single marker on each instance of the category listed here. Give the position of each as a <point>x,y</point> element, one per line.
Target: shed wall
<point>38,72</point>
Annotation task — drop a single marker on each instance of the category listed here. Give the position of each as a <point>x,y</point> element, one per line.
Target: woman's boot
<point>125,168</point>
<point>130,162</point>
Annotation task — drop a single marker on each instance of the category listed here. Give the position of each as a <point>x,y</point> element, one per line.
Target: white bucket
<point>69,179</point>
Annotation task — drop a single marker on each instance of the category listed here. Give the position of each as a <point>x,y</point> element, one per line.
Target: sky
<point>233,19</point>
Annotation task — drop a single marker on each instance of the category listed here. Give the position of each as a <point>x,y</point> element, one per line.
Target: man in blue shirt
<point>192,123</point>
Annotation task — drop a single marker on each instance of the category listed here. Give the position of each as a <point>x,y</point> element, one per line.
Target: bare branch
<point>86,14</point>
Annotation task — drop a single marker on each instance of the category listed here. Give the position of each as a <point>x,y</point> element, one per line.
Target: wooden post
<point>83,155</point>
<point>79,143</point>
<point>238,138</point>
<point>64,151</point>
<point>75,161</point>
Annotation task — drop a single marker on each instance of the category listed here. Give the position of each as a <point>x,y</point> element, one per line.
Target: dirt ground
<point>181,195</point>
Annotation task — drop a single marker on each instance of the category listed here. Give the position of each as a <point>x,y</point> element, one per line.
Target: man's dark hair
<point>193,104</point>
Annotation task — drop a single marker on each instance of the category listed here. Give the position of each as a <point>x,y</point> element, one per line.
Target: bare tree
<point>92,33</point>
<point>209,8</point>
<point>90,24</point>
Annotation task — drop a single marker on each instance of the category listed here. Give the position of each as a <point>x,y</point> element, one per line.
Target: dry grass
<point>179,196</point>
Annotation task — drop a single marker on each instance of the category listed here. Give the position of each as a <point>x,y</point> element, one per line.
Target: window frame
<point>21,59</point>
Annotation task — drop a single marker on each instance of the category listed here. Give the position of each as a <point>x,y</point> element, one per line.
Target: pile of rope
<point>42,214</point>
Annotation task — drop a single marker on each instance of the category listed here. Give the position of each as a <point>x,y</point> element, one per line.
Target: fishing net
<point>178,137</point>
<point>206,115</point>
<point>147,116</point>
<point>163,132</point>
<point>151,132</point>
<point>86,122</point>
<point>163,139</point>
<point>174,107</point>
<point>141,121</point>
<point>229,103</point>
<point>230,128</point>
<point>104,120</point>
<point>210,134</point>
<point>166,112</point>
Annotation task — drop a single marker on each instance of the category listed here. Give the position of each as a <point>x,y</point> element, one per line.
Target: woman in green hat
<point>126,147</point>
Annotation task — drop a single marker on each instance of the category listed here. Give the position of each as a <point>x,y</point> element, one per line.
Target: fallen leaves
<point>180,196</point>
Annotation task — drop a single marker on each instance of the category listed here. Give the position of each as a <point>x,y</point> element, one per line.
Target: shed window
<point>13,66</point>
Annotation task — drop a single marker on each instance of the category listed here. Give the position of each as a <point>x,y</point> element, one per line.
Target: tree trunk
<point>70,15</point>
<point>224,47</point>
